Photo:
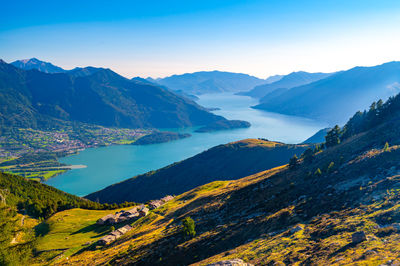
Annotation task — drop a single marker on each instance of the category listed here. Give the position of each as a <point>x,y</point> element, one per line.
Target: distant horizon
<point>177,74</point>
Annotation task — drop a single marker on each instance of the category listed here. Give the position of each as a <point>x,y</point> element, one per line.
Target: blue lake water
<point>112,164</point>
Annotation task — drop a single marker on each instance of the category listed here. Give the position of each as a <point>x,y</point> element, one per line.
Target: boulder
<point>358,237</point>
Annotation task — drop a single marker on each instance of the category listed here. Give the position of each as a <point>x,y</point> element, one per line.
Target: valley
<point>112,164</point>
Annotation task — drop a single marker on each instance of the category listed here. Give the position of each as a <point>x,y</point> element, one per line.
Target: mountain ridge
<point>210,82</point>
<point>289,81</point>
<point>105,98</point>
<point>34,63</point>
<point>320,100</point>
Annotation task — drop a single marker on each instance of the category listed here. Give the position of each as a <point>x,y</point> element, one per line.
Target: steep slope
<point>92,95</point>
<point>16,108</point>
<point>223,162</point>
<point>286,82</point>
<point>210,82</point>
<point>34,63</point>
<point>335,98</point>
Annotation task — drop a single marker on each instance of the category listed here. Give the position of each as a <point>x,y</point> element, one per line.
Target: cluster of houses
<point>114,235</point>
<point>119,217</point>
<point>154,204</point>
<point>123,216</point>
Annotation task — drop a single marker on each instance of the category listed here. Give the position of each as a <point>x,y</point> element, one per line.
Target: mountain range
<point>334,98</point>
<point>31,98</point>
<point>212,82</point>
<point>289,81</point>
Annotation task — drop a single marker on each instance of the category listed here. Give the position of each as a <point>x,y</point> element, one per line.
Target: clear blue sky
<point>159,38</point>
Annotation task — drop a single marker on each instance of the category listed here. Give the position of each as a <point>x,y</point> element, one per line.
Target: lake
<point>112,164</point>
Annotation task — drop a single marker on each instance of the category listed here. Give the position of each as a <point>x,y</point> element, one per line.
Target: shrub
<point>330,167</point>
<point>386,147</point>
<point>188,227</point>
<point>318,172</point>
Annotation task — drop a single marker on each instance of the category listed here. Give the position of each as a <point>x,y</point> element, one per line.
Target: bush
<point>318,172</point>
<point>386,147</point>
<point>330,167</point>
<point>188,227</point>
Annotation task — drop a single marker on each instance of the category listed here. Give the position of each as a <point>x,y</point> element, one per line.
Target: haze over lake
<point>108,165</point>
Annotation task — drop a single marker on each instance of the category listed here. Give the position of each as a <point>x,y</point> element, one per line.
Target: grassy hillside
<point>36,218</point>
<point>224,162</point>
<point>68,231</point>
<point>304,214</point>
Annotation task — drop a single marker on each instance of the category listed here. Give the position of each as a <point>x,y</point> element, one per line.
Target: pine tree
<point>333,137</point>
<point>308,155</point>
<point>294,161</point>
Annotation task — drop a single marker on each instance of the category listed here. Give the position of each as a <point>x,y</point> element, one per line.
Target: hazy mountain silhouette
<point>336,97</point>
<point>211,82</point>
<point>291,80</point>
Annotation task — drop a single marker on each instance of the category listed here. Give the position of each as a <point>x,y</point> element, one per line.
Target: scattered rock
<point>358,237</point>
<point>234,262</point>
<point>296,229</point>
<point>272,233</point>
<point>370,252</point>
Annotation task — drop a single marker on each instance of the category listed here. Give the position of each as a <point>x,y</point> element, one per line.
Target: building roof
<point>104,218</point>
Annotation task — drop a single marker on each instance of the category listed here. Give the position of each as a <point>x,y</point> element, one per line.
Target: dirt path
<point>14,240</point>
